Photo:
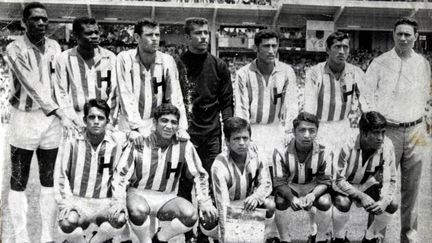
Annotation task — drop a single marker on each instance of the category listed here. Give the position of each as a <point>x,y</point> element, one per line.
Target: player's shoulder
<point>353,68</point>
<point>53,43</point>
<point>244,69</point>
<point>221,161</point>
<point>319,67</point>
<point>106,53</point>
<point>127,54</point>
<point>16,45</point>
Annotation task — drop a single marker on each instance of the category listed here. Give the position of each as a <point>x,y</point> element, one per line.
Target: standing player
<point>83,178</point>
<point>239,176</point>
<point>397,85</point>
<point>208,90</point>
<point>146,79</point>
<point>366,174</point>
<point>303,176</point>
<point>331,92</point>
<point>36,119</point>
<point>152,174</point>
<point>87,71</point>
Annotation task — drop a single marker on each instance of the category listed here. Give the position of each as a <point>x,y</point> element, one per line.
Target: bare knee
<point>323,203</point>
<point>270,205</point>
<point>342,203</point>
<point>188,215</point>
<point>138,211</point>
<point>70,222</point>
<point>281,203</point>
<point>119,221</point>
<point>392,207</point>
<point>209,224</point>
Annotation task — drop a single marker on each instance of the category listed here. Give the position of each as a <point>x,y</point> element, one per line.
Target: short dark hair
<point>98,103</point>
<point>235,124</point>
<point>306,117</point>
<point>193,21</point>
<point>408,21</point>
<point>166,109</point>
<point>336,36</point>
<point>265,34</point>
<point>78,22</point>
<point>30,6</point>
<point>371,120</point>
<point>145,22</point>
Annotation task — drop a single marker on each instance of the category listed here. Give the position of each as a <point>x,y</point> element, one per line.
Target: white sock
<point>313,226</point>
<point>282,222</point>
<point>48,210</point>
<point>379,223</point>
<point>76,236</point>
<point>323,220</point>
<point>173,229</point>
<point>143,232</point>
<point>271,228</point>
<point>18,207</point>
<point>212,233</point>
<point>106,232</point>
<point>340,220</point>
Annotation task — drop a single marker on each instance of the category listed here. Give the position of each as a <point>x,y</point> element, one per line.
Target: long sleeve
<point>219,175</point>
<point>341,167</point>
<point>264,183</point>
<point>124,174</point>
<point>290,107</point>
<point>113,100</point>
<point>61,172</point>
<point>369,86</point>
<point>241,96</point>
<point>311,90</point>
<point>226,101</point>
<point>29,77</point>
<point>325,169</point>
<point>281,176</point>
<point>389,176</point>
<point>63,97</point>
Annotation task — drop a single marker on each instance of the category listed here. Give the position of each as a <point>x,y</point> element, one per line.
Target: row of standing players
<point>50,89</point>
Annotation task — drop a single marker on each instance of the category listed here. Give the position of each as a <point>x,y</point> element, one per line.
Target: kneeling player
<point>239,176</point>
<point>303,176</point>
<point>83,176</point>
<point>152,174</point>
<point>366,173</point>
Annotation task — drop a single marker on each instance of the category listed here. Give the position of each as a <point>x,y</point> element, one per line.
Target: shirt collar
<point>83,136</point>
<point>277,68</point>
<point>292,150</point>
<point>158,59</point>
<point>347,69</point>
<point>99,53</point>
<point>29,44</point>
<point>357,144</point>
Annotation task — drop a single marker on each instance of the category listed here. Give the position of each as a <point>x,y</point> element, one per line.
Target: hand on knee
<point>208,224</point>
<point>392,207</point>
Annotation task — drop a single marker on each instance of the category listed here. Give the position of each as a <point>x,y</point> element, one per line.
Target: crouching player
<point>366,174</point>
<point>239,176</point>
<point>152,177</point>
<point>83,176</point>
<point>302,179</point>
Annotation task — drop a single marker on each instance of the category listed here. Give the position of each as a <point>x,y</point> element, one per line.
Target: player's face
<point>305,134</point>
<point>374,138</point>
<point>338,51</point>
<point>89,36</point>
<point>239,142</point>
<point>167,126</point>
<point>267,50</point>
<point>37,23</point>
<point>199,38</point>
<point>96,121</point>
<point>404,37</point>
<point>149,39</point>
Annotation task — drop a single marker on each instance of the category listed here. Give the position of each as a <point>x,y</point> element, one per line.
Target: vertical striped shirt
<point>32,75</point>
<point>83,82</point>
<point>261,102</point>
<point>142,90</point>
<point>380,168</point>
<point>158,169</point>
<point>317,166</point>
<point>231,184</point>
<point>85,171</point>
<point>328,98</point>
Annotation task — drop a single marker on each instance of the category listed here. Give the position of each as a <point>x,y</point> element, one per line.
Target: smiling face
<point>149,39</point>
<point>37,23</point>
<point>267,50</point>
<point>198,38</point>
<point>167,126</point>
<point>404,37</point>
<point>89,37</point>
<point>96,121</point>
<point>338,51</point>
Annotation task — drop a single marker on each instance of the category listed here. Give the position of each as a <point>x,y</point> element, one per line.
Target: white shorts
<point>154,199</point>
<point>302,189</point>
<point>90,208</point>
<point>32,130</point>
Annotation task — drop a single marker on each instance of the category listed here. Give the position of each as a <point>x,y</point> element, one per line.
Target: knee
<point>342,203</point>
<point>323,203</point>
<point>208,224</point>
<point>70,222</point>
<point>281,203</point>
<point>270,205</point>
<point>138,212</point>
<point>392,207</point>
<point>119,221</point>
<point>188,215</point>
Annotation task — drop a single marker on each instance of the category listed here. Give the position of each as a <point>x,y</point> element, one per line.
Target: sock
<point>48,210</point>
<point>106,232</point>
<point>173,229</point>
<point>271,228</point>
<point>379,223</point>
<point>76,236</point>
<point>323,220</point>
<point>212,233</point>
<point>18,207</point>
<point>313,225</point>
<point>282,222</point>
<point>143,232</point>
<point>340,220</point>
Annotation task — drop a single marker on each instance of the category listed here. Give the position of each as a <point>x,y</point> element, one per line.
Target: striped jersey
<point>142,90</point>
<point>32,75</point>
<point>328,98</point>
<point>262,102</point>
<point>85,171</point>
<point>83,82</point>
<point>287,168</point>
<point>158,169</point>
<point>380,168</point>
<point>231,184</point>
